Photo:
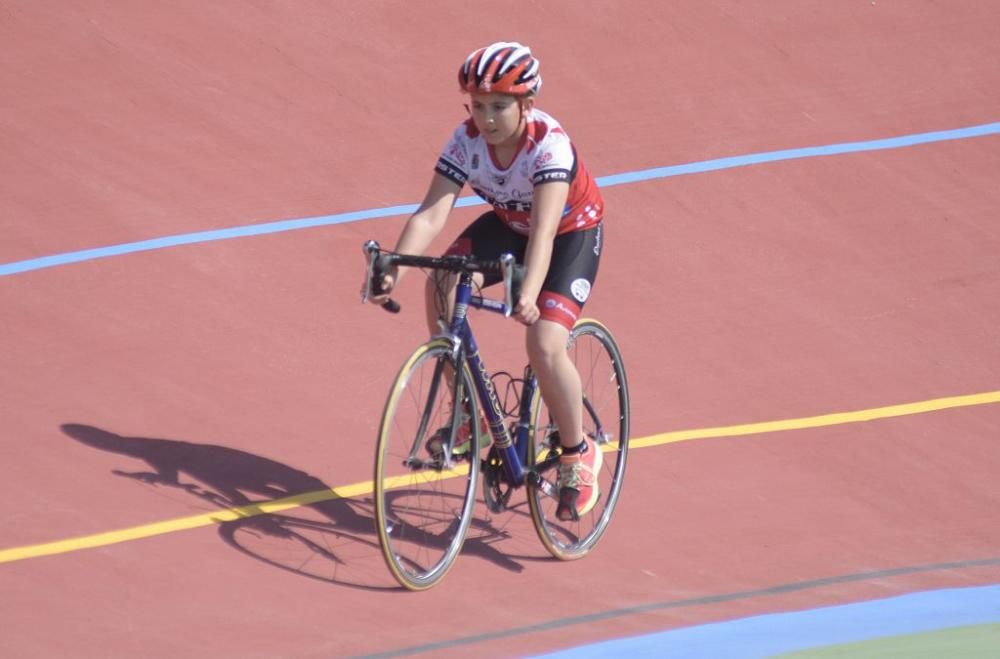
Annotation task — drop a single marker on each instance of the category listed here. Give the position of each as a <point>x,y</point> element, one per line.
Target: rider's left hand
<point>526,311</point>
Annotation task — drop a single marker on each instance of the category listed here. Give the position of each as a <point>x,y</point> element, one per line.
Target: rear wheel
<point>605,420</point>
<point>424,492</point>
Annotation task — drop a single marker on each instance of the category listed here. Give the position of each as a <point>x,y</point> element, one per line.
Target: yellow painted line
<point>364,488</point>
<point>839,418</point>
<point>183,523</point>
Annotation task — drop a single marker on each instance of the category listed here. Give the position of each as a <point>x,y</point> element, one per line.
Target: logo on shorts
<point>557,305</point>
<point>580,289</point>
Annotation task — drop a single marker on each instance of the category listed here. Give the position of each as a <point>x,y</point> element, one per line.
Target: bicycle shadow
<point>331,540</point>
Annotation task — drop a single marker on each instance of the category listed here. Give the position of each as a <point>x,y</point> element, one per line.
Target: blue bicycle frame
<point>513,450</point>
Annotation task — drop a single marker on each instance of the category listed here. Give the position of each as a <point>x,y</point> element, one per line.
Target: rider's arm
<point>546,213</point>
<point>428,220</point>
<point>425,223</point>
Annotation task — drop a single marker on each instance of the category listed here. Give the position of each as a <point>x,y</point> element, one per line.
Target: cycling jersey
<point>545,154</point>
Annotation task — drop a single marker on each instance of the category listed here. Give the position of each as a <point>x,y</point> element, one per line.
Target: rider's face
<point>498,117</point>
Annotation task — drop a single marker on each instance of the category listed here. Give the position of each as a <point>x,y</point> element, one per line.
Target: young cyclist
<point>546,211</point>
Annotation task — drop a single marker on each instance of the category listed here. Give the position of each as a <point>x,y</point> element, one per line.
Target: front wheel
<point>424,487</point>
<point>605,420</point>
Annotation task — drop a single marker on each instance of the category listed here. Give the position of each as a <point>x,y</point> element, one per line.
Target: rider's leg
<point>580,459</point>
<point>558,379</point>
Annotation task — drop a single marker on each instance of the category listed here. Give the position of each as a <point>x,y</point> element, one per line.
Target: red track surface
<point>246,370</point>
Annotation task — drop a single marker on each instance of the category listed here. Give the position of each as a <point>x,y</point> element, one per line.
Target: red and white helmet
<point>505,67</point>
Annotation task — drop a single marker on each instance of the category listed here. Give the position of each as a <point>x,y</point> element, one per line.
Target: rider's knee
<point>546,343</point>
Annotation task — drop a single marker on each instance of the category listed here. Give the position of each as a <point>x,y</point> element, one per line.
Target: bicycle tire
<point>424,501</point>
<point>605,419</point>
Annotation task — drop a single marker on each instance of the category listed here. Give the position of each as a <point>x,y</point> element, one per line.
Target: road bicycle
<point>426,476</point>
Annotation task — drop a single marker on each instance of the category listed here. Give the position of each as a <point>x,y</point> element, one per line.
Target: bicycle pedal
<point>566,511</point>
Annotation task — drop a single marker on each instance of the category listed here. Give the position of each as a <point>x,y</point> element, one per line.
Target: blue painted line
<point>805,152</point>
<point>198,237</point>
<point>67,258</point>
<point>767,635</point>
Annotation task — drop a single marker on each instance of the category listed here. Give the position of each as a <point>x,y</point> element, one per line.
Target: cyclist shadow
<point>330,540</point>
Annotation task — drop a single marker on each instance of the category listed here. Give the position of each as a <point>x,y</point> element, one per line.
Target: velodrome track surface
<point>822,321</point>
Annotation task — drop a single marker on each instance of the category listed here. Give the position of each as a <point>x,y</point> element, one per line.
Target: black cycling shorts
<point>572,270</point>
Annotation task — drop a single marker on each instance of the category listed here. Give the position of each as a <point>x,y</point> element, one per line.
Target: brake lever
<point>513,278</point>
<point>372,251</point>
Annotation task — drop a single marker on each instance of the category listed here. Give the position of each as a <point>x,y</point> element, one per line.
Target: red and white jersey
<point>545,154</point>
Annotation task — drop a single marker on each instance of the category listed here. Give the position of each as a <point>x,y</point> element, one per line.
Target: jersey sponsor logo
<point>541,160</point>
<point>580,289</point>
<point>517,206</point>
<point>552,175</point>
<point>590,214</point>
<point>456,153</point>
<point>450,171</point>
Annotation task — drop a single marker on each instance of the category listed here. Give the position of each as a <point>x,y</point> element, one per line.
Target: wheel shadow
<point>332,540</point>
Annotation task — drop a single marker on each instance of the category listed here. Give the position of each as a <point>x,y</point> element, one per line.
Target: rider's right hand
<point>388,283</point>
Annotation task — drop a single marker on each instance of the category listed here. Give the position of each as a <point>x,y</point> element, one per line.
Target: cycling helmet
<point>501,68</point>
